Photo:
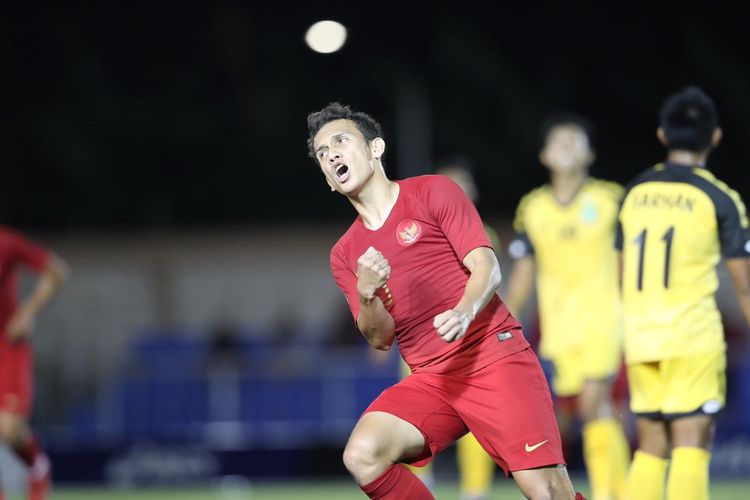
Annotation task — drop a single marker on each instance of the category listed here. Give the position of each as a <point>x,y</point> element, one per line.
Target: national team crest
<point>408,232</point>
<point>589,212</point>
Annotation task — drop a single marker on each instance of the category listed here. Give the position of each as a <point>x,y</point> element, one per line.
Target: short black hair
<point>688,119</point>
<point>566,119</point>
<point>365,123</point>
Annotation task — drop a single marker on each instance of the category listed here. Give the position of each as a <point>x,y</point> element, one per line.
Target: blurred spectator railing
<point>182,388</point>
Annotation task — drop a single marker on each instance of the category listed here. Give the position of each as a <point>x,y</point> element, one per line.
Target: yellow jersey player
<point>676,222</point>
<point>565,233</point>
<point>476,468</point>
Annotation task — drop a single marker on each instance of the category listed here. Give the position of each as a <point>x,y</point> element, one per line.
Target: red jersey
<point>15,251</point>
<point>430,229</point>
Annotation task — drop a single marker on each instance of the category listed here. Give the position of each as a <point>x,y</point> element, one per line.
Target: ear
<point>662,136</point>
<point>592,157</point>
<point>716,137</point>
<point>543,157</point>
<point>377,147</point>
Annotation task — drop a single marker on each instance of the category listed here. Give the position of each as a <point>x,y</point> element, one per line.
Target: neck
<point>375,201</point>
<point>566,185</point>
<point>689,158</point>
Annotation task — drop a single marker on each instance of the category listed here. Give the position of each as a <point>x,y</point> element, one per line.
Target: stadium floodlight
<point>326,37</point>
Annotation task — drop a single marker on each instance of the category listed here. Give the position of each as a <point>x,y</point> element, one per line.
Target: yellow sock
<point>688,474</point>
<point>606,453</point>
<point>475,467</point>
<point>620,460</point>
<point>646,477</point>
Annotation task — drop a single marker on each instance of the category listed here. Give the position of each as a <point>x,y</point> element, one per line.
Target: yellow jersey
<point>576,263</point>
<point>675,223</point>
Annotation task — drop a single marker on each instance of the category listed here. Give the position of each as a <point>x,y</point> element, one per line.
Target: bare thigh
<point>695,431</point>
<point>653,437</point>
<point>594,402</point>
<point>393,437</point>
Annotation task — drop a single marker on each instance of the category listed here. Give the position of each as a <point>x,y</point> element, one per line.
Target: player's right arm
<point>52,272</point>
<point>50,279</point>
<point>374,321</point>
<point>520,285</point>
<point>521,250</point>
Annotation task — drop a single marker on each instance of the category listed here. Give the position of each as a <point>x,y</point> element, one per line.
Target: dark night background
<point>160,149</point>
<point>122,115</point>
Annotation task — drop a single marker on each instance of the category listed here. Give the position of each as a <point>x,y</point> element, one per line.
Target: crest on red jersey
<point>408,232</point>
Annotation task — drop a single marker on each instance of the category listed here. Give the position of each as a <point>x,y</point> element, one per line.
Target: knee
<point>361,454</point>
<point>655,445</point>
<point>549,492</point>
<point>593,406</point>
<point>589,411</point>
<point>541,492</point>
<point>549,485</point>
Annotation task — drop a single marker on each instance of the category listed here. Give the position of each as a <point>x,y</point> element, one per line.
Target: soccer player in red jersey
<point>416,267</point>
<point>16,365</point>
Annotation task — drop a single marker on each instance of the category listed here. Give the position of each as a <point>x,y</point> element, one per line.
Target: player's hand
<point>20,325</point>
<point>451,325</point>
<point>373,270</point>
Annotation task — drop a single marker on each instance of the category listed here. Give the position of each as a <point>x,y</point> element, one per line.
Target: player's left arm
<point>734,238</point>
<point>481,286</point>
<point>739,269</point>
<point>48,282</point>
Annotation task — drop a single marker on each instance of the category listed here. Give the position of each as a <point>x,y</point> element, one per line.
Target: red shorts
<point>16,367</point>
<point>506,405</point>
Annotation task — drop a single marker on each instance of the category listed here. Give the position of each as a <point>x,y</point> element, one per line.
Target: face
<point>566,150</point>
<point>345,156</point>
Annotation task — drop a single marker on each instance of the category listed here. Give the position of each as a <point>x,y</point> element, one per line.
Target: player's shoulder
<point>341,247</point>
<point>725,199</point>
<point>429,190</point>
<point>605,188</point>
<point>711,180</point>
<point>718,191</point>
<point>656,173</point>
<point>651,174</point>
<point>7,233</point>
<point>424,183</point>
<point>532,197</point>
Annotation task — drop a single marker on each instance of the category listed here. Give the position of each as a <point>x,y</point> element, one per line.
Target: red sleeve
<point>345,278</point>
<point>456,215</point>
<point>26,252</point>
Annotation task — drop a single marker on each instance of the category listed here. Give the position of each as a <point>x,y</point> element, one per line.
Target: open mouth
<point>342,173</point>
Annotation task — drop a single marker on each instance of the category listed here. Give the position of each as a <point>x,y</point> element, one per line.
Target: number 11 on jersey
<point>640,240</point>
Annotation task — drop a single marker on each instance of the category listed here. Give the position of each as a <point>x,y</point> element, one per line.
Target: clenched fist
<point>451,325</point>
<point>373,271</point>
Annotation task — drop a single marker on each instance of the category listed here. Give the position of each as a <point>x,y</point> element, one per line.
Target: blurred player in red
<point>416,266</point>
<point>16,366</point>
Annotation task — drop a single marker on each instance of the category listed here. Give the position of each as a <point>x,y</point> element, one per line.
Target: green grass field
<point>720,490</point>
